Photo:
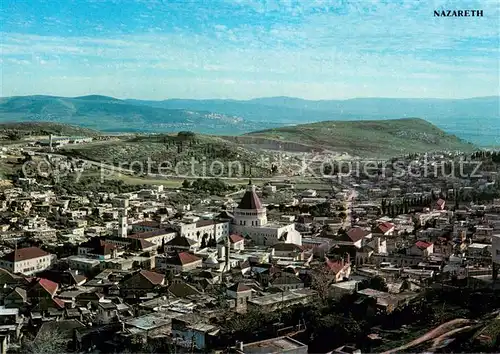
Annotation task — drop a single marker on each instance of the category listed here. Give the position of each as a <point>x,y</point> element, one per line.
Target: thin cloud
<point>377,48</point>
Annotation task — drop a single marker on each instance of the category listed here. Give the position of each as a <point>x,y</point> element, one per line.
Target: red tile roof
<point>202,223</point>
<point>236,238</point>
<point>151,234</point>
<point>239,287</point>
<point>180,241</point>
<point>48,285</point>
<point>100,246</point>
<point>152,277</point>
<point>182,258</point>
<point>147,223</point>
<point>146,244</point>
<point>423,245</point>
<point>186,258</point>
<point>245,264</point>
<point>357,233</point>
<point>250,201</point>
<point>385,227</point>
<point>440,202</point>
<point>59,303</point>
<point>335,266</point>
<point>24,254</point>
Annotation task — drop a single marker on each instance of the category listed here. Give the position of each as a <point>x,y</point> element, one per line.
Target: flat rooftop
<point>149,321</point>
<point>275,345</point>
<point>479,245</point>
<point>8,311</point>
<point>346,285</point>
<point>82,259</point>
<point>282,297</point>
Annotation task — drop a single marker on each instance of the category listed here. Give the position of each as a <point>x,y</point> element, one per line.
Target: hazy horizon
<point>244,49</point>
<point>260,97</point>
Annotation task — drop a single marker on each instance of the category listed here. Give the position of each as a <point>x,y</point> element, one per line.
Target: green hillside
<point>109,114</point>
<point>45,128</point>
<point>192,153</point>
<point>474,119</point>
<point>369,138</point>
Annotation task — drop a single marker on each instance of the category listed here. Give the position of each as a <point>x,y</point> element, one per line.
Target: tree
<point>46,342</point>
<point>327,169</point>
<point>14,135</point>
<point>212,242</point>
<point>185,135</point>
<point>321,281</point>
<point>332,329</point>
<point>376,283</point>
<point>203,241</point>
<point>221,300</point>
<point>384,206</point>
<point>186,184</point>
<point>249,323</point>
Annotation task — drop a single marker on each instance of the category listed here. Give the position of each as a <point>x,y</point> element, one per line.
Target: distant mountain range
<point>476,119</point>
<point>109,114</point>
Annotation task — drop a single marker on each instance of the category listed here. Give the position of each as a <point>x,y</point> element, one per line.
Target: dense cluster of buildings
<point>117,267</point>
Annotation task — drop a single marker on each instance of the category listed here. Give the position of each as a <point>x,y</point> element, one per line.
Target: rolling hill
<point>46,128</point>
<point>175,154</point>
<point>366,138</point>
<point>474,119</point>
<point>109,114</point>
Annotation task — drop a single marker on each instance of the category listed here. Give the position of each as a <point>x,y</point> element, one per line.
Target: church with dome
<point>249,219</point>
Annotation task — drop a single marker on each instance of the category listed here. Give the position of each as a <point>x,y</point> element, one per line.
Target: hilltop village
<point>264,267</point>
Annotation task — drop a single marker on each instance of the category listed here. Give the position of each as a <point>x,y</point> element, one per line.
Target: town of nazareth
<point>349,256</point>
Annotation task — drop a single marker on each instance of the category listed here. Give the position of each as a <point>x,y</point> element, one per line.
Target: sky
<point>241,49</point>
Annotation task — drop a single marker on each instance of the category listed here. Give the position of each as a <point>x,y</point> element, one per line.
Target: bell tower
<point>123,226</point>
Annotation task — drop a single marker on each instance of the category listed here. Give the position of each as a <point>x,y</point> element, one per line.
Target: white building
<point>250,219</point>
<point>207,228</point>
<point>27,261</point>
<point>158,237</point>
<point>82,263</point>
<point>123,224</point>
<point>80,139</point>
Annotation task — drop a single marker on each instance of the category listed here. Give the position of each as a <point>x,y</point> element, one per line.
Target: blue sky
<point>316,49</point>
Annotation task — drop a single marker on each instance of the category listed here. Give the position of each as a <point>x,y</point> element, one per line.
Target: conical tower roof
<point>250,200</point>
